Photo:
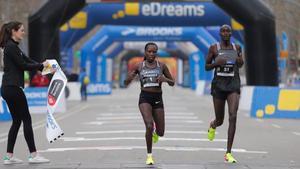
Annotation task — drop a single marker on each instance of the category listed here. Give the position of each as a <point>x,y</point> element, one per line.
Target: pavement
<point>107,132</point>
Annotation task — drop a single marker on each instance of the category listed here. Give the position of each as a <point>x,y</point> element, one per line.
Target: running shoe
<point>229,158</point>
<point>37,159</point>
<point>155,137</point>
<point>149,160</point>
<point>11,160</point>
<point>211,134</point>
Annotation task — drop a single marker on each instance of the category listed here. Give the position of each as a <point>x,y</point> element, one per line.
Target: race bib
<point>226,70</point>
<point>150,82</point>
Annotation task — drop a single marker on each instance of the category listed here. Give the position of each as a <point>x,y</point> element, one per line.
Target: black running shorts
<point>154,99</point>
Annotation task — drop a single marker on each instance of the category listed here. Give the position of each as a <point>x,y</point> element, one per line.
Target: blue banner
<point>274,102</point>
<point>159,14</point>
<point>108,34</point>
<point>4,111</point>
<point>147,14</point>
<point>36,99</point>
<point>103,88</point>
<point>36,96</point>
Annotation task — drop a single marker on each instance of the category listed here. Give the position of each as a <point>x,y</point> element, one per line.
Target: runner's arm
<point>239,59</point>
<point>131,75</point>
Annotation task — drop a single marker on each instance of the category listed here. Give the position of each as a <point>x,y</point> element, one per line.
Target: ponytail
<point>3,35</point>
<point>6,31</point>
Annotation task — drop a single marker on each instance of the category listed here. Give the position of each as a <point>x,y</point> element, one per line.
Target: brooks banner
<point>55,91</point>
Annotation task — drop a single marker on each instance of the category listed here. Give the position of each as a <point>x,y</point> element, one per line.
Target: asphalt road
<point>108,132</point>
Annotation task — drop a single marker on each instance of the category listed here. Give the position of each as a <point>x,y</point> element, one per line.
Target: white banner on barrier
<point>37,100</point>
<point>55,91</point>
<point>246,98</point>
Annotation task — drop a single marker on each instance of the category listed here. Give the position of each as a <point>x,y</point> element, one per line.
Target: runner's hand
<point>161,78</point>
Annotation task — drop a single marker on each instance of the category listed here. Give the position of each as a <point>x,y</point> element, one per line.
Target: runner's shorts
<point>154,99</point>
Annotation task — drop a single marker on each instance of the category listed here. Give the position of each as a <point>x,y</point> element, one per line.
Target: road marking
<point>72,139</point>
<point>259,120</point>
<point>42,123</point>
<point>276,126</point>
<point>167,148</point>
<point>138,113</point>
<point>137,131</point>
<point>246,115</point>
<point>135,122</point>
<point>139,117</point>
<point>168,126</point>
<point>296,133</point>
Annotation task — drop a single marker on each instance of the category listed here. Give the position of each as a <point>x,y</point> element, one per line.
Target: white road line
<point>138,113</point>
<point>73,139</point>
<point>139,117</point>
<point>246,115</point>
<point>193,121</point>
<point>42,123</point>
<point>135,122</point>
<point>276,126</point>
<point>122,109</point>
<point>3,135</point>
<point>136,109</point>
<point>259,120</point>
<point>137,131</point>
<point>166,148</point>
<point>3,140</point>
<point>168,126</point>
<point>296,133</point>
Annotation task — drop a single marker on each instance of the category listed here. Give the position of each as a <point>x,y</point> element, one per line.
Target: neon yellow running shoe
<point>155,137</point>
<point>211,134</point>
<point>229,158</point>
<point>149,160</point>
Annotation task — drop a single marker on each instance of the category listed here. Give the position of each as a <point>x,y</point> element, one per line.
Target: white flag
<point>55,91</point>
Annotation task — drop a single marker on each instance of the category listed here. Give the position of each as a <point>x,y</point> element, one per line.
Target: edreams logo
<point>158,9</point>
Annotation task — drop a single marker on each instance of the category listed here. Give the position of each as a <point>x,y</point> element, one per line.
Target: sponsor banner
<point>96,64</point>
<point>153,14</point>
<point>37,103</point>
<point>55,91</point>
<point>37,100</point>
<point>144,14</point>
<point>4,111</point>
<point>94,89</point>
<point>274,102</point>
<point>103,88</point>
<point>123,33</point>
<point>53,131</point>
